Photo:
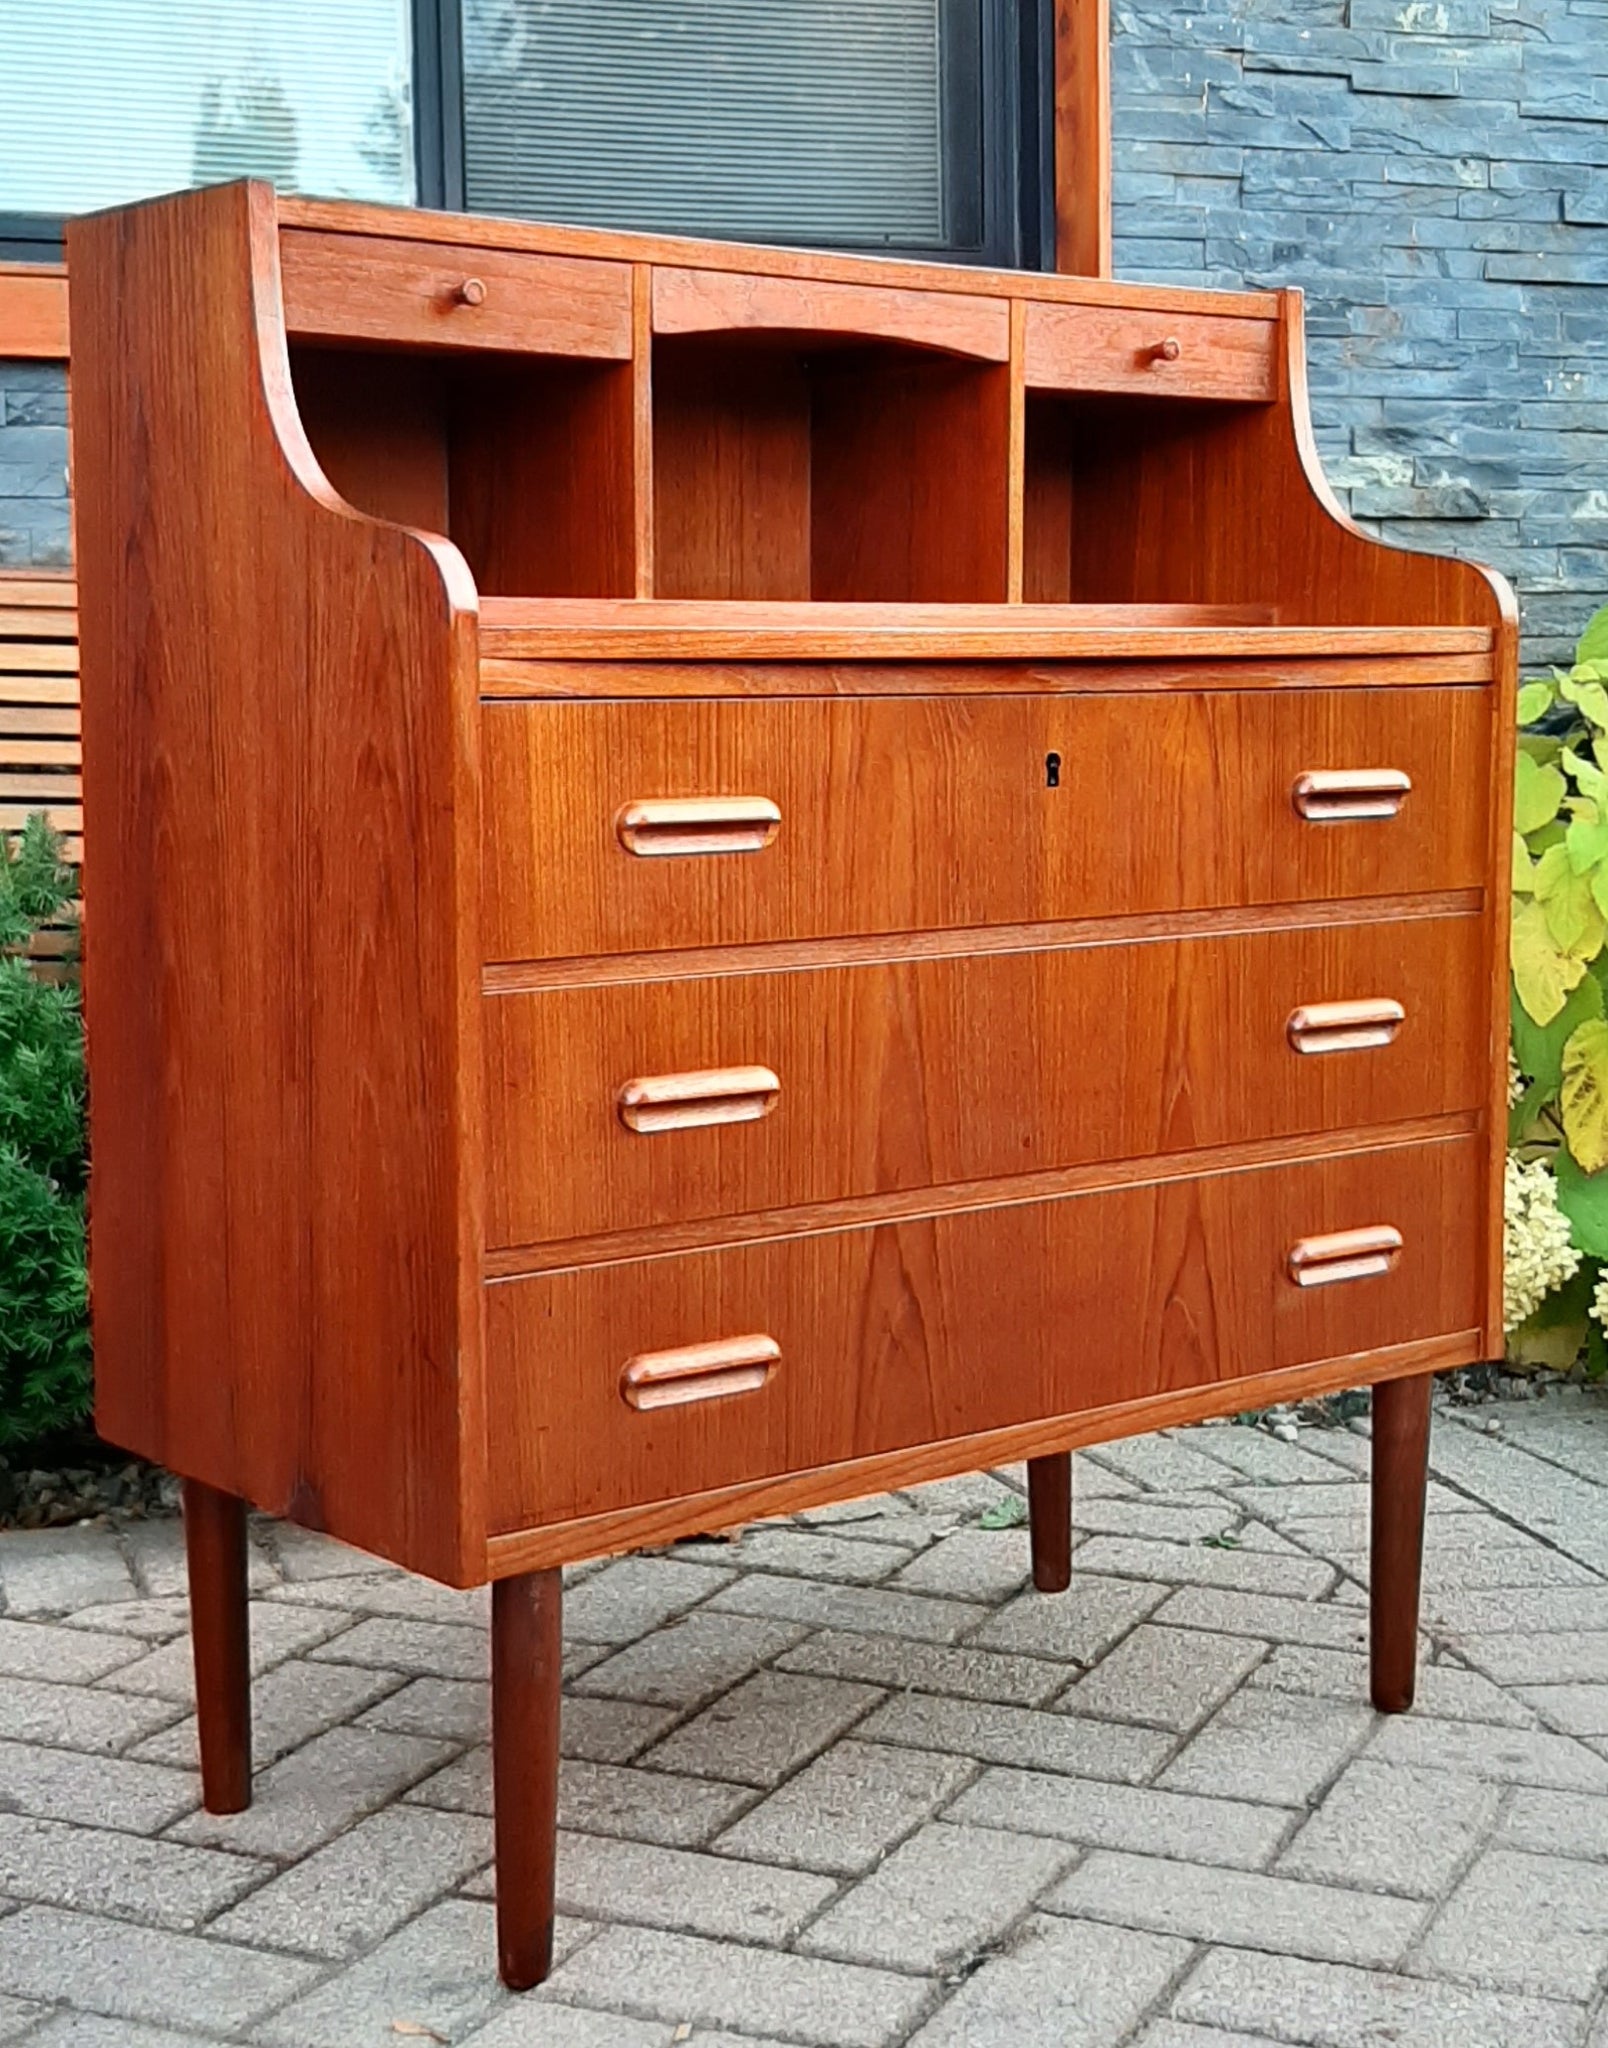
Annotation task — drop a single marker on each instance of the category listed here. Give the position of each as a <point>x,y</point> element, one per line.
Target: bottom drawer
<point>907,1333</point>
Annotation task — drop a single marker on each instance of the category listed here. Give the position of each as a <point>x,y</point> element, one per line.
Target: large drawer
<point>882,1338</point>
<point>923,813</point>
<point>918,1072</point>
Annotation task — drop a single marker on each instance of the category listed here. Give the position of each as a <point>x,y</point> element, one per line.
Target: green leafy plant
<point>1557,1175</point>
<point>44,1323</point>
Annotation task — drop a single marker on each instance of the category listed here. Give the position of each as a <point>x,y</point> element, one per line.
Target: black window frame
<point>1003,87</point>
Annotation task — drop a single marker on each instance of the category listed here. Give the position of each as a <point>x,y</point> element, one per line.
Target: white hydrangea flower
<point>1536,1253</point>
<point>1599,1298</point>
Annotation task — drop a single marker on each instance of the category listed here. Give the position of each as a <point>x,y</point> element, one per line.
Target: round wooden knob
<point>1167,351</point>
<point>472,292</point>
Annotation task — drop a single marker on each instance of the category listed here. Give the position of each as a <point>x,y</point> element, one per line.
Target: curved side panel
<point>1417,589</point>
<point>281,780</point>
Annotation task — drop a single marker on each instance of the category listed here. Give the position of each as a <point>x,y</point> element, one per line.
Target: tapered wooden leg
<point>1400,1475</point>
<point>215,1544</point>
<point>526,1663</point>
<point>1049,1513</point>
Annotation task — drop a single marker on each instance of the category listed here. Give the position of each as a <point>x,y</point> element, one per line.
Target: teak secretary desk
<point>720,879</point>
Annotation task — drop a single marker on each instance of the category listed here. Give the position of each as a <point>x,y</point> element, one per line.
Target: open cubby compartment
<point>793,466</point>
<point>1142,500</point>
<point>525,462</point>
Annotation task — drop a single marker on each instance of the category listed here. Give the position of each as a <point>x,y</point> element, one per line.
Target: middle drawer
<point>916,1073</point>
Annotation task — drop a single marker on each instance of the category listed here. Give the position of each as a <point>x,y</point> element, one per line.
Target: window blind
<point>103,101</point>
<point>791,120</point>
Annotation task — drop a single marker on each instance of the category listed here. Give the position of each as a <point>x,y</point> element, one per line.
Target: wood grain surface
<point>732,1506</point>
<point>934,1328</point>
<point>396,291</point>
<point>1157,355</point>
<point>661,1240</point>
<point>881,677</point>
<point>912,814</point>
<point>1121,629</point>
<point>280,972</point>
<point>1021,957</point>
<point>457,230</point>
<point>714,302</point>
<point>1081,113</point>
<point>925,1072</point>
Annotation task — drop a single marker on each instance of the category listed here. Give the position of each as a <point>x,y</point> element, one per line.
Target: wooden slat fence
<point>39,744</point>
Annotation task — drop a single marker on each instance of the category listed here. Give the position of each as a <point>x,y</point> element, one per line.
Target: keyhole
<point>1052,771</point>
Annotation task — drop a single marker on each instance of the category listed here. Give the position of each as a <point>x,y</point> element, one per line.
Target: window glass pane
<point>103,101</point>
<point>795,120</point>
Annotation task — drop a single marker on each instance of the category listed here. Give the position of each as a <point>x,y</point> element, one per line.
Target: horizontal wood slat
<point>39,657</point>
<point>36,622</point>
<point>33,714</point>
<point>33,311</point>
<point>38,753</point>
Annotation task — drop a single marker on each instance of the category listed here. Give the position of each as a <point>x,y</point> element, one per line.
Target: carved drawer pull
<point>472,292</point>
<point>1345,1255</point>
<point>718,1095</point>
<point>1323,793</point>
<point>1345,1027</point>
<point>1167,351</point>
<point>697,824</point>
<point>699,1372</point>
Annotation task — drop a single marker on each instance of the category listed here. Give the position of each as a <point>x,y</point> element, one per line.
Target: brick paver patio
<point>848,1783</point>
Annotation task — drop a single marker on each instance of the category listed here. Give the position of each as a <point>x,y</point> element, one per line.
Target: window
<point>811,121</point>
<point>911,126</point>
<point>107,100</point>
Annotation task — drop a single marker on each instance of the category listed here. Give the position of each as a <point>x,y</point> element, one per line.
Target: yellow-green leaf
<point>1575,922</point>
<point>1586,840</point>
<point>1542,975</point>
<point>1535,700</point>
<point>1591,697</point>
<point>1523,871</point>
<point>1584,1100</point>
<point>1537,793</point>
<point>1594,640</point>
<point>1587,774</point>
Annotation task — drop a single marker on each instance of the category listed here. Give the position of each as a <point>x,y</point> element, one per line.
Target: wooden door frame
<point>1083,137</point>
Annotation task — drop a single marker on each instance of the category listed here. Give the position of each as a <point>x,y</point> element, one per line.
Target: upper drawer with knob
<point>442,296</point>
<point>1130,349</point>
<point>631,826</point>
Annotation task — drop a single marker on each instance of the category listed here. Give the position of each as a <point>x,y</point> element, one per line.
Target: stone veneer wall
<point>33,466</point>
<point>1435,174</point>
